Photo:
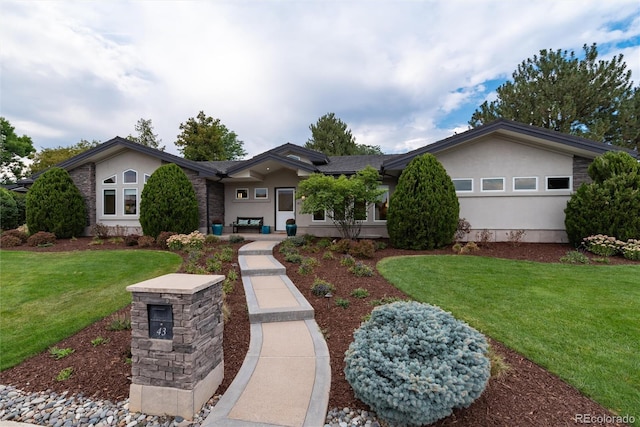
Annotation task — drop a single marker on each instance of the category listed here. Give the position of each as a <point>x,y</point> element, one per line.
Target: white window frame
<point>482,180</point>
<point>124,180</point>
<point>546,183</point>
<point>115,202</point>
<point>238,190</point>
<point>324,217</point>
<point>463,179</point>
<point>115,180</point>
<point>386,202</point>
<point>525,177</point>
<point>266,193</point>
<point>124,200</point>
<point>146,177</point>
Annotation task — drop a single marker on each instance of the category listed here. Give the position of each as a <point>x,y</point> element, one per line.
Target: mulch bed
<point>525,395</point>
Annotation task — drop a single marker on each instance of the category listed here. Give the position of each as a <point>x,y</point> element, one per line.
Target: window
<point>525,183</point>
<point>130,177</point>
<point>260,193</point>
<point>318,216</point>
<point>110,180</point>
<point>146,177</point>
<point>242,193</point>
<point>130,201</point>
<point>381,206</point>
<point>492,184</point>
<point>463,185</point>
<point>360,211</point>
<point>109,202</point>
<point>558,183</point>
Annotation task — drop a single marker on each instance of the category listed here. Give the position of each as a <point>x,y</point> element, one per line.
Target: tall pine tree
<point>557,90</point>
<point>331,136</point>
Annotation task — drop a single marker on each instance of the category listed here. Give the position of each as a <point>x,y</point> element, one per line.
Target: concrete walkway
<point>286,375</point>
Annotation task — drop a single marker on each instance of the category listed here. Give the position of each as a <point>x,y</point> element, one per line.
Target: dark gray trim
<point>201,169</point>
<point>316,157</point>
<point>270,155</point>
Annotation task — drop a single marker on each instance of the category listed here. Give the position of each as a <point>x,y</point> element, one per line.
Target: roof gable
<point>117,144</point>
<point>533,134</point>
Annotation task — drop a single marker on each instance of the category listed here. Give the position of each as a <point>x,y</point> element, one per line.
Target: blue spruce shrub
<point>414,363</point>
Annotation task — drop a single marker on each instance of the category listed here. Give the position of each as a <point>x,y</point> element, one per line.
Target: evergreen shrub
<point>610,205</point>
<point>414,363</point>
<point>41,238</point>
<point>54,204</point>
<point>9,241</point>
<point>168,202</point>
<point>342,246</point>
<point>17,233</point>
<point>321,287</point>
<point>146,241</point>
<point>363,249</point>
<point>423,209</point>
<point>9,212</point>
<point>162,238</point>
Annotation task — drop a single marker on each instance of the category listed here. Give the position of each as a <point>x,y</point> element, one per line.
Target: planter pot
<point>291,229</point>
<point>216,229</point>
<point>266,229</point>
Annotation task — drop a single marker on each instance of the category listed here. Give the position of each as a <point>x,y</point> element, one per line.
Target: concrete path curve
<point>286,375</point>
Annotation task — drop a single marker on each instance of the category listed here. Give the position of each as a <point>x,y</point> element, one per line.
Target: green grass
<point>581,322</point>
<point>46,297</point>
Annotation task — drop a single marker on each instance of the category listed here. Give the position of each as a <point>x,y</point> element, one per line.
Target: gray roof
<point>348,165</point>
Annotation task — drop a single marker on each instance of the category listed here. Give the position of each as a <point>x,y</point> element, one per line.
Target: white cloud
<point>400,74</point>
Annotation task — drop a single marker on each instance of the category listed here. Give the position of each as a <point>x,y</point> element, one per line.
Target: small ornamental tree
<point>423,209</point>
<point>55,205</point>
<point>414,363</point>
<point>168,203</point>
<point>610,205</point>
<point>344,200</point>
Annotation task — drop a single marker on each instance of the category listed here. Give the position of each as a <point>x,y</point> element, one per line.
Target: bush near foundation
<point>610,205</point>
<point>168,202</point>
<point>423,209</point>
<point>55,205</point>
<point>414,363</point>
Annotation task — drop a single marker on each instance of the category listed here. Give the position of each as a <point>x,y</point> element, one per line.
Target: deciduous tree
<point>13,149</point>
<point>556,90</point>
<point>344,200</point>
<point>206,138</point>
<point>330,136</point>
<point>48,157</point>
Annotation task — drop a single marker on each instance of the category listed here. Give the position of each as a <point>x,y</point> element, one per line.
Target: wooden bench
<point>243,222</point>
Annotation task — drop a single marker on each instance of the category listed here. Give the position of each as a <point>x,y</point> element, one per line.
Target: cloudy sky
<point>401,74</point>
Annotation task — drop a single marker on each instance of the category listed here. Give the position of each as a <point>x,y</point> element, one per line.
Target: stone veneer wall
<point>85,179</point>
<point>216,200</point>
<point>196,347</point>
<point>580,175</point>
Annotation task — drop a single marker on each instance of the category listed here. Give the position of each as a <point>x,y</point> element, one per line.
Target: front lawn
<point>46,297</point>
<point>580,322</point>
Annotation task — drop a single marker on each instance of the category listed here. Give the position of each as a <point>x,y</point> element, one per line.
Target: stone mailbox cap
<point>176,283</point>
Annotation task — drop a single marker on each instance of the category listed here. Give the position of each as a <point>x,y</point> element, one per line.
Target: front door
<point>285,206</point>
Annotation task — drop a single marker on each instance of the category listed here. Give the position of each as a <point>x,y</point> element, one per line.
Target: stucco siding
<point>252,207</point>
<point>509,209</point>
<point>115,167</point>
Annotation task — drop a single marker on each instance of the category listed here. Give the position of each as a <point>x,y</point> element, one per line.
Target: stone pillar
<point>177,364</point>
